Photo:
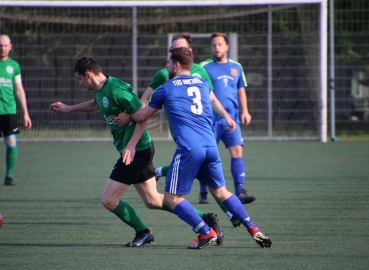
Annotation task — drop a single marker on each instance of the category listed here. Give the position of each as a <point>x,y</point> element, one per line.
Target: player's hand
<point>128,154</point>
<point>59,107</point>
<point>245,118</point>
<point>122,119</point>
<point>27,122</point>
<point>230,122</point>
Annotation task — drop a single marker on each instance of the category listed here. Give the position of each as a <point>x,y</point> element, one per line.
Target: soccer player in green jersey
<point>132,141</point>
<point>10,88</point>
<point>160,77</point>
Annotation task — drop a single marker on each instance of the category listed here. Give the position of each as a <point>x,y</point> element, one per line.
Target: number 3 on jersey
<point>194,91</point>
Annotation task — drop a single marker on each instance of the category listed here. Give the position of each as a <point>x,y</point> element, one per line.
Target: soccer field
<point>312,199</point>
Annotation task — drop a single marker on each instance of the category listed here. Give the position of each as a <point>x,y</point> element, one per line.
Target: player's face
<point>171,68</point>
<point>84,80</point>
<point>219,48</point>
<point>5,47</point>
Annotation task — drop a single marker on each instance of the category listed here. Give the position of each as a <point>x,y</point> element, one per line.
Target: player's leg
<point>183,170</point>
<point>121,177</point>
<point>216,182</point>
<point>234,206</point>
<point>11,158</point>
<point>9,127</point>
<point>218,128</point>
<point>234,142</point>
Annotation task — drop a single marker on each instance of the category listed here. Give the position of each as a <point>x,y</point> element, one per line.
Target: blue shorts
<point>202,163</point>
<point>229,138</point>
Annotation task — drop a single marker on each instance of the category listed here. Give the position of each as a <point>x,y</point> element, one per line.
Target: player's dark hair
<point>85,64</point>
<point>185,36</point>
<point>217,34</point>
<point>183,56</point>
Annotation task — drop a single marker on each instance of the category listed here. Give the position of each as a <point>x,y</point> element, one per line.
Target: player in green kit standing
<point>132,141</point>
<point>10,88</point>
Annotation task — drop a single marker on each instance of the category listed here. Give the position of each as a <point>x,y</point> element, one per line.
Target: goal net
<point>280,44</point>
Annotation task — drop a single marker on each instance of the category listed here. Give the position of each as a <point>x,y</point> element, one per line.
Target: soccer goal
<point>281,44</point>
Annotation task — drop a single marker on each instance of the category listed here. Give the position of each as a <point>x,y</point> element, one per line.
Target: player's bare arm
<point>128,153</point>
<point>219,109</point>
<point>21,96</point>
<point>245,117</point>
<point>87,106</point>
<point>143,114</point>
<point>146,96</point>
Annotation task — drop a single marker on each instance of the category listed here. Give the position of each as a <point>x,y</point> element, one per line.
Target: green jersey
<point>9,69</point>
<point>161,76</point>
<point>113,98</point>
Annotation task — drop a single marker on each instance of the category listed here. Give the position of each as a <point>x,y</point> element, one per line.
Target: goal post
<point>286,59</point>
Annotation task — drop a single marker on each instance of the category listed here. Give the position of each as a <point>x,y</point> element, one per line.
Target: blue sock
<point>185,211</point>
<point>238,173</point>
<point>235,207</point>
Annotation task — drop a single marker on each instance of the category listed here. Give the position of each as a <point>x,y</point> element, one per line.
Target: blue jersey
<point>187,102</point>
<point>227,78</point>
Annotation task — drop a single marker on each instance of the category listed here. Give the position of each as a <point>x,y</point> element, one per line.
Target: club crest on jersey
<point>234,71</point>
<point>105,102</point>
<point>10,69</point>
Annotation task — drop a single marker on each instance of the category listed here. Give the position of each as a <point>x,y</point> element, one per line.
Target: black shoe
<point>212,220</point>
<point>203,198</point>
<point>141,239</point>
<point>244,198</point>
<point>235,222</point>
<point>8,181</point>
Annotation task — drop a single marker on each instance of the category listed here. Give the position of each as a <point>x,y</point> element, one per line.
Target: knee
<point>108,203</point>
<point>10,141</point>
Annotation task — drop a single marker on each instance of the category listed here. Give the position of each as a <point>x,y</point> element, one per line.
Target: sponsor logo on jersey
<point>105,102</point>
<point>234,72</point>
<point>10,69</point>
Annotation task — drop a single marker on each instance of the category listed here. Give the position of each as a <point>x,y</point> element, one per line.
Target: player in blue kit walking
<point>229,82</point>
<point>186,100</point>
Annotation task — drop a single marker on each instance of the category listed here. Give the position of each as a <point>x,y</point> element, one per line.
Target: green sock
<point>220,204</point>
<point>11,158</point>
<point>128,215</point>
<point>166,208</point>
<point>164,170</point>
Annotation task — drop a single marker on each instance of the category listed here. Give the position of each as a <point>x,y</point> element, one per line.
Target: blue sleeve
<point>157,98</point>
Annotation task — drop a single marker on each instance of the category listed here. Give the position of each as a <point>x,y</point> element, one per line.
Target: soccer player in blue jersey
<point>187,102</point>
<point>229,82</point>
<point>132,141</point>
<point>160,77</point>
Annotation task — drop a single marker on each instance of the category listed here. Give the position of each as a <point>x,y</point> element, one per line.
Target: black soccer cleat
<point>235,222</point>
<point>244,198</point>
<point>212,220</point>
<point>141,239</point>
<point>8,181</point>
<point>203,198</point>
